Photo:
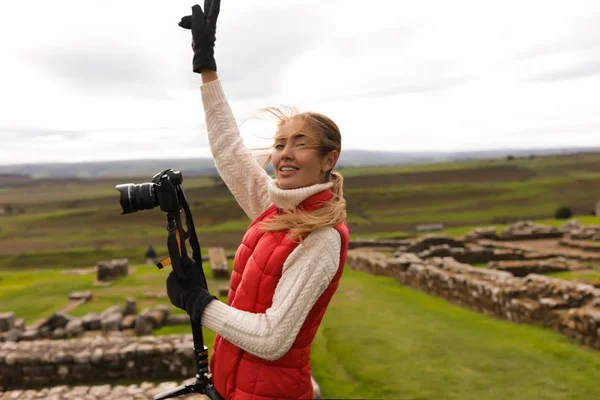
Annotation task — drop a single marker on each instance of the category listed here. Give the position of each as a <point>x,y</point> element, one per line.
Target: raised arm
<point>242,174</point>
<point>240,171</point>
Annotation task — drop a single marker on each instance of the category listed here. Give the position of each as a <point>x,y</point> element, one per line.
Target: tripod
<point>181,262</point>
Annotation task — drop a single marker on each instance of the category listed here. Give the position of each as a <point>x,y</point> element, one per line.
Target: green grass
<point>33,294</point>
<point>382,340</point>
<point>378,339</point>
<point>74,257</point>
<point>587,277</point>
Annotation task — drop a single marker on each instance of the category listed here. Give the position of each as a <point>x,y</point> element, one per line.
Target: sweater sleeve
<point>306,274</point>
<point>240,171</point>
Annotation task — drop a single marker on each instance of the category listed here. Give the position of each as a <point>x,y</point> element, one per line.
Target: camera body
<point>166,186</point>
<point>163,192</point>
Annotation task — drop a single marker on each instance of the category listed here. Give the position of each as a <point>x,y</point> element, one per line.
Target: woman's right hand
<point>203,25</point>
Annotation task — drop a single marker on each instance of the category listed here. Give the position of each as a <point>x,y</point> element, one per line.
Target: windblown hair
<point>299,223</point>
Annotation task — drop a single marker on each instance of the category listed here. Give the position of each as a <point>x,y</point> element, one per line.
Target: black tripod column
<point>180,261</point>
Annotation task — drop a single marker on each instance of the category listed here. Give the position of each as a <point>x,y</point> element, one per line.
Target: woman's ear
<point>330,160</point>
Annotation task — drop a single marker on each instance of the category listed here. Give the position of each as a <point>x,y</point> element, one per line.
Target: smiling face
<point>297,156</point>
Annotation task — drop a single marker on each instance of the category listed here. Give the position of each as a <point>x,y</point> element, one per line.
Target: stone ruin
<point>143,391</point>
<point>575,230</point>
<point>430,246</point>
<point>219,264</point>
<point>570,308</point>
<point>107,271</point>
<point>510,288</point>
<point>523,268</point>
<point>45,363</point>
<point>61,369</point>
<point>63,357</point>
<point>519,230</point>
<point>115,319</point>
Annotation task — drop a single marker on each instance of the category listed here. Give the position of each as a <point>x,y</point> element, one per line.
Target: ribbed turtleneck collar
<point>288,199</point>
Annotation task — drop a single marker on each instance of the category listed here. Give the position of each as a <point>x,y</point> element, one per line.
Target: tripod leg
<point>175,392</point>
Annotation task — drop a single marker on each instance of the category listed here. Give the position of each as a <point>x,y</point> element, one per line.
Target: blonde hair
<point>297,222</point>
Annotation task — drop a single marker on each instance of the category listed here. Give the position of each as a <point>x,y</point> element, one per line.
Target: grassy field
<point>411,345</point>
<point>65,219</point>
<point>378,339</point>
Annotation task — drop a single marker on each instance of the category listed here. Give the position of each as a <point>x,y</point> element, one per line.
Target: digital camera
<point>162,191</point>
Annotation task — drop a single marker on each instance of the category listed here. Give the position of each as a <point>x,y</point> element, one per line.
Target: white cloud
<point>112,80</point>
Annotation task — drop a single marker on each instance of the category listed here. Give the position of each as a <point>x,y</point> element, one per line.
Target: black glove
<point>204,27</point>
<point>189,295</point>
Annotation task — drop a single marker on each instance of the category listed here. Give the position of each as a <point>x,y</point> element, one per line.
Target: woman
<point>290,260</point>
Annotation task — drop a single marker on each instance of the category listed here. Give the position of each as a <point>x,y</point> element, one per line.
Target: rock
<point>112,310</point>
<point>84,296</point>
<point>91,322</point>
<point>11,336</point>
<point>20,324</point>
<point>178,319</point>
<point>143,325</point>
<point>57,320</point>
<point>128,322</point>
<point>130,306</point>
<point>30,334</point>
<point>408,258</point>
<point>7,321</point>
<point>110,270</point>
<point>482,233</point>
<point>59,333</point>
<point>529,230</point>
<point>111,322</point>
<point>74,328</point>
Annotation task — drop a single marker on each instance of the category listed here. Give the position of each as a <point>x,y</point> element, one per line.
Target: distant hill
<point>205,166</point>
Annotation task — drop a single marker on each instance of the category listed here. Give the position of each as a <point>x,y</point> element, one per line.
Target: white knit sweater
<point>306,272</point>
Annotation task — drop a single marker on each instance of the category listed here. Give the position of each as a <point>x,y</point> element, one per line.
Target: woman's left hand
<point>189,295</point>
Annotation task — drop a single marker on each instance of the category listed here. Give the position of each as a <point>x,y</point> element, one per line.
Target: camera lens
<point>134,197</point>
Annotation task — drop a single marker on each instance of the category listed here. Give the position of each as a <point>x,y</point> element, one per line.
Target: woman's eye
<point>279,147</point>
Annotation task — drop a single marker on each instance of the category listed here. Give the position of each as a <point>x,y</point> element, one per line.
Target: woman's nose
<point>287,152</point>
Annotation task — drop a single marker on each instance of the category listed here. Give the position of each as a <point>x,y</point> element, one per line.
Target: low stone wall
<point>145,391</point>
<point>61,325</point>
<point>572,309</point>
<point>472,254</point>
<point>523,268</point>
<point>46,363</point>
<point>587,245</point>
<point>575,230</point>
<point>520,230</point>
<point>379,243</point>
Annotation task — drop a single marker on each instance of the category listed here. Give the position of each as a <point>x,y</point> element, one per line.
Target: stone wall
<point>110,270</point>
<point>523,268</point>
<point>61,325</point>
<point>572,309</point>
<point>143,391</point>
<point>586,245</point>
<point>520,230</point>
<point>574,230</point>
<point>46,363</point>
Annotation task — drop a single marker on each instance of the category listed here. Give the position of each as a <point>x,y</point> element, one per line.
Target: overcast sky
<point>101,80</point>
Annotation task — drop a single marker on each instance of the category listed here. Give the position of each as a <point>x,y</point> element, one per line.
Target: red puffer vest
<point>258,265</point>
